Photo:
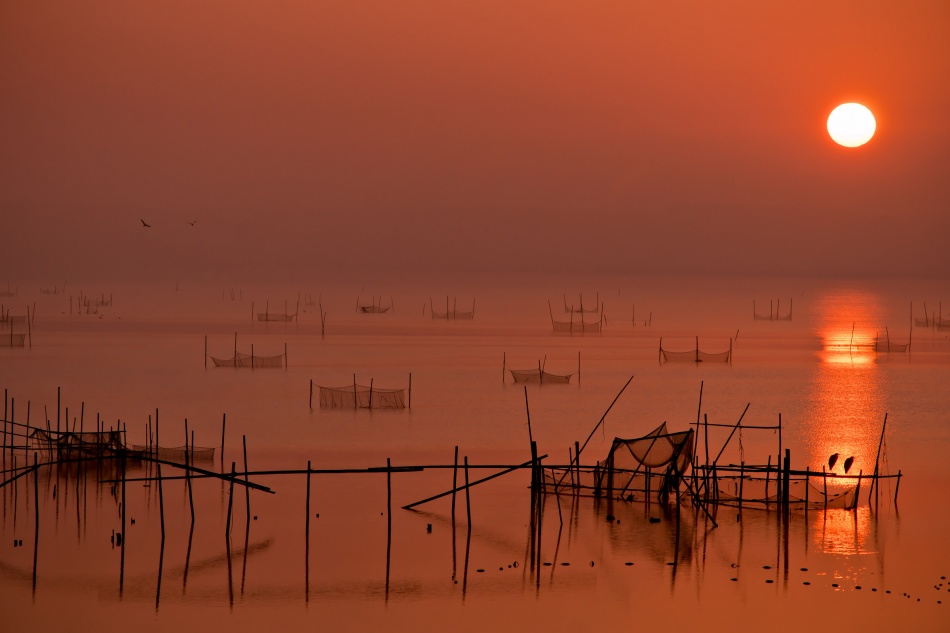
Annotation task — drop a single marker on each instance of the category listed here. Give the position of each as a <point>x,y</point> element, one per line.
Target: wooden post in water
<point>468,497</point>
<point>227,527</point>
<point>188,463</point>
<point>785,481</point>
<point>161,501</point>
<point>389,519</point>
<point>371,393</point>
<point>455,471</point>
<point>807,486</point>
<point>36,515</point>
<point>741,484</point>
<point>311,393</point>
<point>577,460</point>
<point>247,489</point>
<point>307,525</point>
<point>824,482</point>
<point>779,482</point>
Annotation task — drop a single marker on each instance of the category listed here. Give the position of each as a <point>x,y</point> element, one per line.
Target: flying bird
<point>192,223</point>
<point>832,460</point>
<point>145,224</point>
<point>847,463</point>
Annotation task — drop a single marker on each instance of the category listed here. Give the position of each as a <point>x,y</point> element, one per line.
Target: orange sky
<point>327,137</point>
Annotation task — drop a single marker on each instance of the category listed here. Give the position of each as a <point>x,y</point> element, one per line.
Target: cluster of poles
<point>64,446</point>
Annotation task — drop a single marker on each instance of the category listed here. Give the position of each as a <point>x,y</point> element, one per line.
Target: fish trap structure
<point>357,396</point>
<point>694,355</point>
<point>278,317</point>
<point>450,314</point>
<point>241,360</point>
<point>648,468</point>
<point>375,306</point>
<point>538,375</point>
<point>885,345</point>
<point>577,323</point>
<point>775,312</point>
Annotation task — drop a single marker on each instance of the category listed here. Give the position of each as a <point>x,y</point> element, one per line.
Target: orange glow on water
<point>847,401</point>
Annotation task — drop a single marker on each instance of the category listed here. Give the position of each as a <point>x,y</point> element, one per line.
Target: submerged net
<point>884,345</point>
<point>576,327</point>
<point>92,442</point>
<point>538,376</point>
<point>250,361</point>
<point>761,492</point>
<point>176,453</point>
<point>639,469</point>
<point>695,355</point>
<point>362,397</point>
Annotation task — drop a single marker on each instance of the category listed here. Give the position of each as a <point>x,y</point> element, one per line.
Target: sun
<point>851,125</point>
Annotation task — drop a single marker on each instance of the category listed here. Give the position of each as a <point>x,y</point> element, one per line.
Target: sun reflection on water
<point>846,403</point>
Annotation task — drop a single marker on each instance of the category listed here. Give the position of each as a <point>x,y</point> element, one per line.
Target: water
<point>144,357</point>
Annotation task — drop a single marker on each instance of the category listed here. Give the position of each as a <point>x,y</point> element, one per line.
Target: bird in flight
<point>145,224</point>
<point>192,223</point>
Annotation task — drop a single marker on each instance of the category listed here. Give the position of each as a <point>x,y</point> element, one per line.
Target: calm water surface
<point>143,358</point>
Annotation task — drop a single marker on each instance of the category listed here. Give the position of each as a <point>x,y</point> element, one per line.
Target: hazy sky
<point>316,138</point>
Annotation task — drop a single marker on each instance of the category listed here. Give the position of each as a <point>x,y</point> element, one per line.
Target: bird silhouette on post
<point>832,460</point>
<point>847,463</point>
<point>145,224</point>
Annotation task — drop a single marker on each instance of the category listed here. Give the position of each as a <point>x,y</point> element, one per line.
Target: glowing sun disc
<point>851,125</point>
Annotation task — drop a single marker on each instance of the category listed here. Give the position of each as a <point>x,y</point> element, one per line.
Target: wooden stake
<point>455,470</point>
<point>247,489</point>
<point>227,527</point>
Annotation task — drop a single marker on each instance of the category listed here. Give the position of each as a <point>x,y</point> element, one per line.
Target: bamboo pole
<point>474,483</point>
<point>311,394</point>
<point>161,501</point>
<point>455,470</point>
<point>247,488</point>
<point>36,519</point>
<point>389,519</point>
<point>603,417</point>
<point>227,526</point>
<point>191,500</point>
<point>877,459</point>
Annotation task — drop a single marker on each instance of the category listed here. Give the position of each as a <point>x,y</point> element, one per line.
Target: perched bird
<point>145,224</point>
<point>847,463</point>
<point>832,460</point>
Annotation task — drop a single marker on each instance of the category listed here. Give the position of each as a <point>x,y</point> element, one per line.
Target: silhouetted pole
<point>36,507</point>
<point>247,489</point>
<point>227,527</point>
<point>389,519</point>
<point>455,470</point>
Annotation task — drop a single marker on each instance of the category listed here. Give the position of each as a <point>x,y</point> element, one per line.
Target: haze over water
<point>199,162</point>
<point>143,357</point>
